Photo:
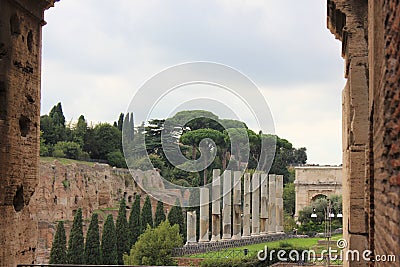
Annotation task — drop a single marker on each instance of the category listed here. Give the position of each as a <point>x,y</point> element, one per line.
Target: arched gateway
<point>313,182</point>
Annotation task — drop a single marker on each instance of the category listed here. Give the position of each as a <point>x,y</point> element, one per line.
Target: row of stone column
<point>260,214</point>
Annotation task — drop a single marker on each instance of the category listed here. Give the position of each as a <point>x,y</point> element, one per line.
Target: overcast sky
<point>97,54</point>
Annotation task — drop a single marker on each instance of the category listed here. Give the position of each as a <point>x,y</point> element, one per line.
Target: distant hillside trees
<point>81,141</point>
<point>183,131</point>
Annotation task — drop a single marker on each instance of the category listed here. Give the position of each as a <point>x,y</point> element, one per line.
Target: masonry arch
<point>313,182</point>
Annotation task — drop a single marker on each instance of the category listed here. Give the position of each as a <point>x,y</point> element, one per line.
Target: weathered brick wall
<point>20,58</point>
<point>371,166</point>
<point>385,120</point>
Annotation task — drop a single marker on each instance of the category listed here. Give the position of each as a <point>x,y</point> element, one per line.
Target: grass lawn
<point>65,161</point>
<point>299,243</point>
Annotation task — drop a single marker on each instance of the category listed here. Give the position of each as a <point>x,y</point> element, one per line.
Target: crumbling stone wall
<point>347,20</point>
<point>20,57</point>
<point>369,31</point>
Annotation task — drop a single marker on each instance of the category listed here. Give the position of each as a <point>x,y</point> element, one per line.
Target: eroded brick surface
<point>20,57</point>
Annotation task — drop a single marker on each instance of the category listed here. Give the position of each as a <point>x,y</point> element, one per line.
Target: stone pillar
<point>279,203</point>
<point>237,205</point>
<point>204,215</point>
<point>227,206</point>
<point>347,21</point>
<point>246,205</point>
<point>264,205</point>
<point>255,214</point>
<point>191,227</point>
<point>216,206</point>
<point>272,204</point>
<point>21,24</point>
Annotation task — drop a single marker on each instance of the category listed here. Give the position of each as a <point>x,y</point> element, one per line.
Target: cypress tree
<point>58,253</point>
<point>134,221</point>
<point>75,252</point>
<point>120,121</point>
<point>122,232</point>
<point>92,245</point>
<point>175,216</point>
<point>109,243</point>
<point>131,127</point>
<point>160,215</point>
<point>146,215</point>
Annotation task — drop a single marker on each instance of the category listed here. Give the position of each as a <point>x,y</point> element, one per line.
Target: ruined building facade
<point>21,24</point>
<point>369,31</point>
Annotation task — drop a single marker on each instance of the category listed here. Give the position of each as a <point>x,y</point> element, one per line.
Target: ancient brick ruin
<point>21,24</point>
<point>369,31</point>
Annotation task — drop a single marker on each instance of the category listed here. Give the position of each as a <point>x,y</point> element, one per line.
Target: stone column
<point>191,227</point>
<point>255,214</point>
<point>272,204</point>
<point>246,205</point>
<point>237,205</point>
<point>227,206</point>
<point>204,215</point>
<point>216,206</point>
<point>264,204</point>
<point>279,203</point>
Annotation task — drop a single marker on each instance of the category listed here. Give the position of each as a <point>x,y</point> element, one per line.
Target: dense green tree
<point>116,159</point>
<point>58,253</point>
<point>289,196</point>
<point>53,125</point>
<point>193,138</point>
<point>80,131</point>
<point>196,119</point>
<point>237,140</point>
<point>75,252</point>
<point>109,254</point>
<point>160,215</point>
<point>57,115</point>
<point>134,221</point>
<point>175,216</point>
<point>155,246</point>
<point>146,215</point>
<point>122,231</point>
<point>69,149</point>
<point>44,149</point>
<point>106,139</point>
<point>300,155</point>
<point>92,244</point>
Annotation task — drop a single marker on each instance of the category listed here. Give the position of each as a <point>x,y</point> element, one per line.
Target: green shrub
<point>155,246</point>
